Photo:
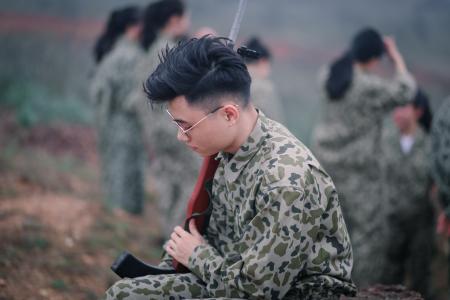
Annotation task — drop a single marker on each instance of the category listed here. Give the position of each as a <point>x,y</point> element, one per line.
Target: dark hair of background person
<point>156,16</point>
<point>254,43</point>
<point>118,22</point>
<point>366,45</point>
<point>201,70</point>
<point>421,101</point>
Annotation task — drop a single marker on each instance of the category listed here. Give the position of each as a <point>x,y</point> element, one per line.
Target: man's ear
<point>231,113</point>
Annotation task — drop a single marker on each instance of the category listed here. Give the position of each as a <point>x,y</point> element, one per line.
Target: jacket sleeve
<point>166,261</point>
<point>270,250</point>
<point>384,95</point>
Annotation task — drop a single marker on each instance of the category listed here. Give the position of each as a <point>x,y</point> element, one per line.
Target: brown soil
<point>57,139</point>
<point>57,240</point>
<point>59,247</point>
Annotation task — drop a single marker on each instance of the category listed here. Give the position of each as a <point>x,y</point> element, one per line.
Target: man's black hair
<point>256,44</point>
<point>366,45</point>
<point>156,16</point>
<point>118,22</point>
<point>201,70</point>
<point>421,101</point>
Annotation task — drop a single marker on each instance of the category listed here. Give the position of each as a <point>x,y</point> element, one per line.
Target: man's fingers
<point>175,236</point>
<point>171,245</point>
<point>180,231</point>
<point>193,228</point>
<point>170,251</point>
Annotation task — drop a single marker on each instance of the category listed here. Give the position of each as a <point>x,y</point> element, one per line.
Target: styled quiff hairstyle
<point>202,70</point>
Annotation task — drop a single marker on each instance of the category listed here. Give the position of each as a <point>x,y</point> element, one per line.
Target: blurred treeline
<point>46,46</point>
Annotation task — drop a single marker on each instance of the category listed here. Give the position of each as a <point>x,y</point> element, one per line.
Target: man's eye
<point>183,125</point>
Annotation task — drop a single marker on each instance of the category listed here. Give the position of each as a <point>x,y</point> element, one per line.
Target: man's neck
<point>248,119</point>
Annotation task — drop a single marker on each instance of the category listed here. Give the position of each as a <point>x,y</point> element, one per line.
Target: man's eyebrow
<point>180,121</point>
<point>174,119</point>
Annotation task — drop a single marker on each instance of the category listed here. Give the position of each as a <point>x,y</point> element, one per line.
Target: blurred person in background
<point>440,169</point>
<point>347,140</point>
<point>173,168</point>
<point>202,31</point>
<point>263,91</point>
<point>407,182</point>
<point>117,54</point>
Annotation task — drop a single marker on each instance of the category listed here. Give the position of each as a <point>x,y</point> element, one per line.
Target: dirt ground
<point>60,247</point>
<point>57,240</point>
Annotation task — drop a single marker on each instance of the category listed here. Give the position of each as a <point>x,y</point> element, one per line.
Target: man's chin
<point>204,154</point>
<point>200,152</point>
<point>197,151</point>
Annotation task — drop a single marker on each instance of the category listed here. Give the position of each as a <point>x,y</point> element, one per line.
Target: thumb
<point>193,228</point>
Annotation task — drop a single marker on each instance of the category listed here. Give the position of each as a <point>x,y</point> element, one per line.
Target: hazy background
<point>46,47</point>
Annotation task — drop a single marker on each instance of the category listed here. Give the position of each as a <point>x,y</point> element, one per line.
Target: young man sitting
<point>276,230</point>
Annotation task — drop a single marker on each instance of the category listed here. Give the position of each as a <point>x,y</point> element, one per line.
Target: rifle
<point>199,206</point>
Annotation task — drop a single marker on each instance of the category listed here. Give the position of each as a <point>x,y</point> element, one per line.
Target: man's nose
<point>181,136</point>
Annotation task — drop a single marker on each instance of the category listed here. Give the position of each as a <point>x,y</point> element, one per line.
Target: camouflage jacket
<point>276,230</point>
<point>264,97</point>
<point>440,165</point>
<point>115,80</point>
<point>348,136</point>
<point>406,176</point>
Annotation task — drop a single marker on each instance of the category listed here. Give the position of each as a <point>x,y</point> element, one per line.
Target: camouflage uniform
<point>119,128</point>
<point>440,167</point>
<point>276,230</point>
<point>174,167</point>
<point>347,143</point>
<point>410,213</point>
<point>264,97</point>
<point>440,160</point>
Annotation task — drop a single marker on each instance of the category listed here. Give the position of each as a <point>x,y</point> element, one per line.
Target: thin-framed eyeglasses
<point>187,130</point>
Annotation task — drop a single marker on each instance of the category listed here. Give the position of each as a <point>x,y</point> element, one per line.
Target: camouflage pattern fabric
<point>174,168</point>
<point>347,143</point>
<point>276,230</point>
<point>265,97</point>
<point>119,127</point>
<point>410,226</point>
<point>440,166</point>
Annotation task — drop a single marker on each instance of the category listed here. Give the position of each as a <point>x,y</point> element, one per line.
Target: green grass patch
<point>34,103</point>
<point>59,285</point>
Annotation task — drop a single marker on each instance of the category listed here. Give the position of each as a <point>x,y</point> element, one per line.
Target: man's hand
<point>183,243</point>
<point>394,54</point>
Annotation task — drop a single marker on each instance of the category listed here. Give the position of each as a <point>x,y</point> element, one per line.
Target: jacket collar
<point>235,164</point>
